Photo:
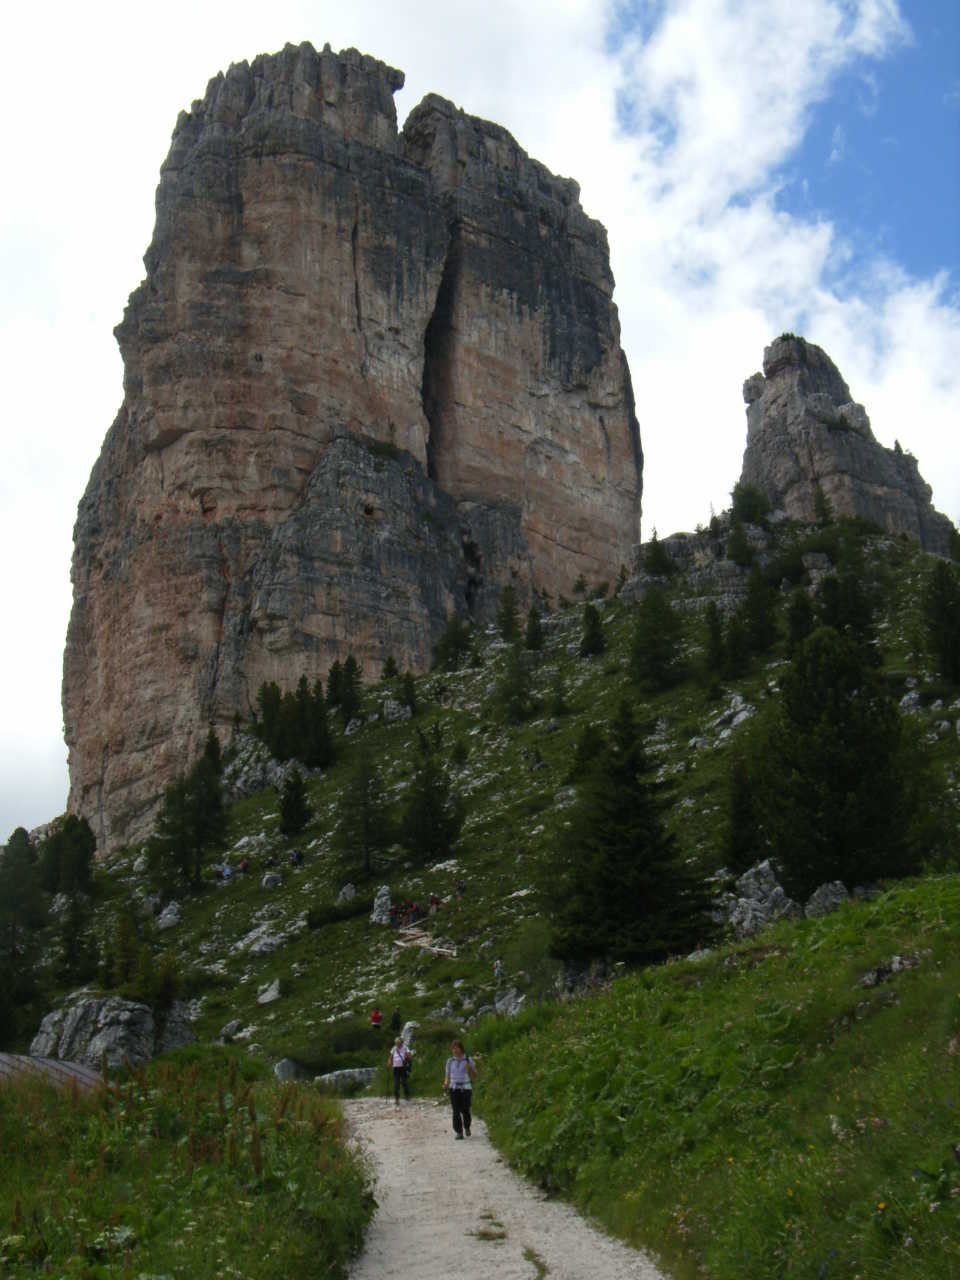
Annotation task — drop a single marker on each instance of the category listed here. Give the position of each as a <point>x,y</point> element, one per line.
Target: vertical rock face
<point>369,378</point>
<point>804,433</point>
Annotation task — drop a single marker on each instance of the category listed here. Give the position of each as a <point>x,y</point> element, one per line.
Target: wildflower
<point>881,1206</point>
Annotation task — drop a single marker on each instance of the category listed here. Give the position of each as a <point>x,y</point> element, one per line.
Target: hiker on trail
<point>497,970</point>
<point>460,1073</point>
<point>434,904</point>
<point>393,915</point>
<point>396,1022</point>
<point>376,1018</point>
<point>399,1058</point>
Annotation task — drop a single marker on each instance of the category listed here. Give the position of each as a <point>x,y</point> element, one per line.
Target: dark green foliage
<point>743,844</point>
<point>736,647</point>
<point>822,510</point>
<point>940,605</point>
<point>191,822</point>
<point>713,649</point>
<point>558,705</point>
<point>623,891</point>
<point>453,645</point>
<point>750,504</point>
<point>294,809</point>
<point>335,684</point>
<point>433,813</point>
<point>508,623</point>
<point>841,781</point>
<point>211,749</point>
<point>593,641</point>
<point>408,692</point>
<point>533,635</point>
<point>22,909</point>
<point>846,605</point>
<point>514,688</point>
<point>363,829</point>
<point>350,690</point>
<point>78,956</point>
<point>580,586</point>
<point>739,549</point>
<point>656,561</point>
<point>758,611</point>
<point>655,656</point>
<point>954,543</point>
<point>390,671</point>
<point>294,726</point>
<point>66,856</point>
<point>800,619</point>
<point>590,743</point>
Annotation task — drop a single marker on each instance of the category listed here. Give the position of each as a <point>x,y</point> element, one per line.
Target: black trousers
<point>460,1102</point>
<point>400,1078</point>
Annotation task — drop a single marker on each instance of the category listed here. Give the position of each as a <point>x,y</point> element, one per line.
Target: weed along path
<point>454,1209</point>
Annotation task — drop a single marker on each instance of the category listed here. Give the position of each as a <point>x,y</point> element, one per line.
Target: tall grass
<point>191,1168</point>
<point>760,1113</point>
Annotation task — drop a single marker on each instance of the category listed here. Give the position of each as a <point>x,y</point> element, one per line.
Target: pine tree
<point>515,686</point>
<point>408,692</point>
<point>533,635</point>
<point>453,644</point>
<point>940,605</point>
<point>624,893</point>
<point>800,619</point>
<point>593,641</point>
<point>841,781</point>
<point>759,620</point>
<point>507,621</point>
<point>350,690</point>
<point>655,656</point>
<point>363,828</point>
<point>334,684</point>
<point>656,561</point>
<point>713,652</point>
<point>211,749</point>
<point>433,814</point>
<point>320,752</point>
<point>66,856</point>
<point>192,820</point>
<point>294,808</point>
<point>390,671</point>
<point>22,909</point>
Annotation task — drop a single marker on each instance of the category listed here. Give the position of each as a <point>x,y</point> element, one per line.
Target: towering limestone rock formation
<point>805,432</point>
<point>369,378</point>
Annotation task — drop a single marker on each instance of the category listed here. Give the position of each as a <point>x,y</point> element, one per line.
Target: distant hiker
<point>414,910</point>
<point>226,871</point>
<point>497,971</point>
<point>434,904</point>
<point>399,1059</point>
<point>396,1022</point>
<point>376,1018</point>
<point>244,866</point>
<point>460,1073</point>
<point>393,915</point>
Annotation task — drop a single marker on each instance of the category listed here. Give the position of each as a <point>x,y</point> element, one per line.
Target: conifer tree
<point>507,622</point>
<point>800,619</point>
<point>433,813</point>
<point>624,893</point>
<point>66,856</point>
<point>656,561</point>
<point>759,620</point>
<point>350,690</point>
<point>940,604</point>
<point>211,749</point>
<point>408,692</point>
<point>294,808</point>
<point>335,684</point>
<point>655,656</point>
<point>453,644</point>
<point>533,634</point>
<point>713,654</point>
<point>515,686</point>
<point>363,828</point>
<point>192,820</point>
<point>389,671</point>
<point>593,641</point>
<point>842,781</point>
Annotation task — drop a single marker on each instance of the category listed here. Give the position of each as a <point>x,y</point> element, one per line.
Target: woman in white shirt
<point>460,1073</point>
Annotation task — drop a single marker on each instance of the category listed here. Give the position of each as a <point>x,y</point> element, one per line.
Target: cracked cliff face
<point>804,431</point>
<point>369,378</point>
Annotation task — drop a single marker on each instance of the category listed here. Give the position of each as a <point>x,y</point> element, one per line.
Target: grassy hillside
<point>689,1105</point>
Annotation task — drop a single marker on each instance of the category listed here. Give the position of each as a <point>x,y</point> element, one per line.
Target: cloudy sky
<point>760,165</point>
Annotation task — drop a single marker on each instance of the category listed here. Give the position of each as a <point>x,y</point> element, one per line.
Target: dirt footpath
<point>453,1209</point>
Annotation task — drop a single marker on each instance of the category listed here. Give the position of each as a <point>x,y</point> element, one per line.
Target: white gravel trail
<point>451,1209</point>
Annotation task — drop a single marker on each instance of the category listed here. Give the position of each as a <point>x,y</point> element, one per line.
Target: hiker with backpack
<point>399,1059</point>
<point>458,1080</point>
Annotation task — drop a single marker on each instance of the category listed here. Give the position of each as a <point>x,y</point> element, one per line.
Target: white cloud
<point>717,96</point>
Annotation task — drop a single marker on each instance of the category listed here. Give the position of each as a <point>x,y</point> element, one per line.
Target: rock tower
<point>370,378</point>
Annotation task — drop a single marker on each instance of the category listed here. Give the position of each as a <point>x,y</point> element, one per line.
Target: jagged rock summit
<point>369,378</point>
<point>805,432</point>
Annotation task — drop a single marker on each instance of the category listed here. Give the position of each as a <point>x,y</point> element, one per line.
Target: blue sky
<point>881,156</point>
<point>760,166</point>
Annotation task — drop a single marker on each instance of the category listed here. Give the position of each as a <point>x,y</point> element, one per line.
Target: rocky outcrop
<point>119,1030</point>
<point>370,377</point>
<point>804,431</point>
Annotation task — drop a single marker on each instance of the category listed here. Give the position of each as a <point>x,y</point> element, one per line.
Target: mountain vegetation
<point>740,1107</point>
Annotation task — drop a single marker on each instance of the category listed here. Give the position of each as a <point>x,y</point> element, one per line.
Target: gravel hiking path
<point>450,1209</point>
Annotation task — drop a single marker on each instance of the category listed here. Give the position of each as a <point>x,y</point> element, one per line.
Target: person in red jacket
<point>376,1019</point>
